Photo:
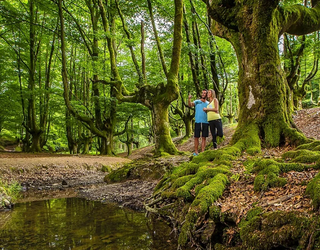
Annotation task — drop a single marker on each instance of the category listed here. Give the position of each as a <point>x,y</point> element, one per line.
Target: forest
<point>104,77</point>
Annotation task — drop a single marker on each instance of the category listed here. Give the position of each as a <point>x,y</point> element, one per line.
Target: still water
<point>78,224</point>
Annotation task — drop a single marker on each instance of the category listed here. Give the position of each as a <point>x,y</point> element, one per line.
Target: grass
<point>10,191</point>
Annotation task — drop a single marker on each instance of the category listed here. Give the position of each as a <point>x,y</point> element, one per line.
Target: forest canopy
<point>126,81</point>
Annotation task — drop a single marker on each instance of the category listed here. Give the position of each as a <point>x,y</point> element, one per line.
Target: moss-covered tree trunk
<point>157,97</point>
<point>263,90</point>
<point>188,126</point>
<point>161,127</point>
<point>254,28</point>
<point>32,125</point>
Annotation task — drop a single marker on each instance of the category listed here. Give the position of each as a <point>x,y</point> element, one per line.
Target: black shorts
<point>201,127</point>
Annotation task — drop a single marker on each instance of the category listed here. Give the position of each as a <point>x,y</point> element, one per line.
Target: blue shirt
<point>200,116</point>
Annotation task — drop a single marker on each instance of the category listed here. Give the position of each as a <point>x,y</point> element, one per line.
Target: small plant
<point>235,177</point>
<point>12,190</point>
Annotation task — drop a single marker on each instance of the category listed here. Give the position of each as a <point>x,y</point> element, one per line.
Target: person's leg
<point>196,144</point>
<point>203,143</point>
<point>197,129</point>
<point>205,133</point>
<point>219,128</point>
<point>213,128</point>
<point>213,132</point>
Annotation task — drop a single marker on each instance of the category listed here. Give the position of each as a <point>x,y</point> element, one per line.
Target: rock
<point>64,183</point>
<point>7,203</point>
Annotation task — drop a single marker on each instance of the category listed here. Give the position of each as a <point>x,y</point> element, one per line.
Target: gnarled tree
<point>156,97</point>
<point>254,28</point>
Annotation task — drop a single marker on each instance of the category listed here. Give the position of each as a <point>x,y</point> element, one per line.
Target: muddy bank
<point>45,177</point>
<point>43,171</point>
<point>130,194</point>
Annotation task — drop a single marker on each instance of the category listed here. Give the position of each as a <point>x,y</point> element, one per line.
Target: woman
<point>213,117</point>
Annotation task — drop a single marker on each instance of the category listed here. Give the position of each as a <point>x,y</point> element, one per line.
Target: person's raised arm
<point>191,104</point>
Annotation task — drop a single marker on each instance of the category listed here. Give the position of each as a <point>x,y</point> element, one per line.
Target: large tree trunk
<point>264,95</point>
<point>36,145</point>
<point>263,89</point>
<point>161,127</point>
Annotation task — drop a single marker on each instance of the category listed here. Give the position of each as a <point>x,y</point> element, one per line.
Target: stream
<point>75,223</point>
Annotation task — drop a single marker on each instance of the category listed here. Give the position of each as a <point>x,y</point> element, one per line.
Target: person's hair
<point>206,93</point>
<point>213,93</point>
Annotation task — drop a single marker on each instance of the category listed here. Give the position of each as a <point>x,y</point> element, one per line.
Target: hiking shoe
<point>195,154</point>
<point>215,145</point>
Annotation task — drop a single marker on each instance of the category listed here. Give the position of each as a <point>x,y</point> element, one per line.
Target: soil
<point>45,175</point>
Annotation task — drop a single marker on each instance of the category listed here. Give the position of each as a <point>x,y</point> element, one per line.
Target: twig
<point>281,199</point>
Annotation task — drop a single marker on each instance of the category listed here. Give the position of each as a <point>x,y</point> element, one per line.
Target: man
<point>201,123</point>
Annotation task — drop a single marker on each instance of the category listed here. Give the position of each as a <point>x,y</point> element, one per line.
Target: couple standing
<point>206,114</point>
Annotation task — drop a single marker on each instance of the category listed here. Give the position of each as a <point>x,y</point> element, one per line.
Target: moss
<point>248,140</point>
<point>259,182</point>
<point>187,169</point>
<point>105,168</point>
<point>202,203</point>
<point>313,189</point>
<point>314,146</point>
<point>210,193</point>
<point>302,152</point>
<point>118,175</point>
<point>304,157</point>
<point>187,227</point>
<point>168,194</point>
<point>286,167</point>
<point>254,212</point>
<point>181,181</point>
<point>204,173</point>
<point>273,133</point>
<point>214,212</point>
<point>198,188</point>
<point>277,229</point>
<point>268,171</point>
<point>296,137</point>
<point>263,182</point>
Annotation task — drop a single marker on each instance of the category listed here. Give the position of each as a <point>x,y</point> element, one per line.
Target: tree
<point>254,28</point>
<point>25,32</point>
<point>156,97</point>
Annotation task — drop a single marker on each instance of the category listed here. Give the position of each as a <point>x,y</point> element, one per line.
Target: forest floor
<point>46,175</point>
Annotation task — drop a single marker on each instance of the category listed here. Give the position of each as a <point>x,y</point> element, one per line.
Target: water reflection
<point>74,223</point>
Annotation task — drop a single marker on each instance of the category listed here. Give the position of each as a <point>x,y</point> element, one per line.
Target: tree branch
<point>133,56</point>
<point>83,35</point>
<point>224,12</point>
<point>164,67</point>
<point>300,20</point>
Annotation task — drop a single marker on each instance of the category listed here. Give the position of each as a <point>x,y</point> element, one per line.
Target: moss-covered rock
<point>146,169</point>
